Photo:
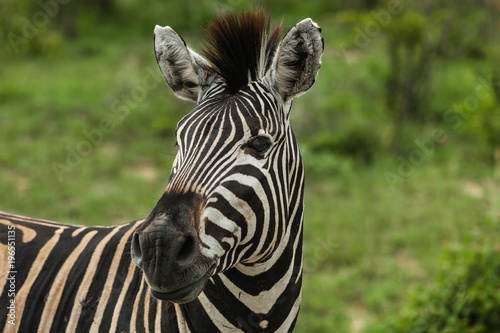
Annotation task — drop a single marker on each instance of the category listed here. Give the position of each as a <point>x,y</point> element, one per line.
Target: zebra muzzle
<point>167,248</point>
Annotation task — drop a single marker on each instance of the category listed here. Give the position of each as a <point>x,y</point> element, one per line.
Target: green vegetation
<point>400,139</point>
<point>464,299</point>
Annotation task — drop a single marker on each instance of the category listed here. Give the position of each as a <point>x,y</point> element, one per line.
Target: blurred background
<point>400,137</point>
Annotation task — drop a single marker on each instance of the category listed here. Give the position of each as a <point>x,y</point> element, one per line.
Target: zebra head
<point>234,198</point>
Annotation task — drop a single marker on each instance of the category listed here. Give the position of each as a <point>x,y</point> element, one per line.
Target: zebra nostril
<point>187,251</point>
<point>135,250</point>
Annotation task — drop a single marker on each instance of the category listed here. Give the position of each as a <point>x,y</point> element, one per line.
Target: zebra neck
<point>263,297</point>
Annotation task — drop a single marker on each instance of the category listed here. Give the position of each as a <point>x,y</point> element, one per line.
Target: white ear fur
<point>297,60</point>
<point>185,71</point>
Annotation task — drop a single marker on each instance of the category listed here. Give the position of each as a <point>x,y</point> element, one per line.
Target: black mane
<point>236,44</point>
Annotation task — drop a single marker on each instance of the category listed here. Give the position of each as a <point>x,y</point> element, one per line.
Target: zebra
<point>221,251</point>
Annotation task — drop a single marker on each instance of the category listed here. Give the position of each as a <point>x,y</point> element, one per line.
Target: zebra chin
<point>182,295</point>
<point>178,286</point>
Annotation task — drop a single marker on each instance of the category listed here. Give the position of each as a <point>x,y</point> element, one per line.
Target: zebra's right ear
<point>185,71</point>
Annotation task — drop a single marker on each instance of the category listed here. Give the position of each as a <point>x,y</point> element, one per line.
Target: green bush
<point>360,142</point>
<point>465,297</point>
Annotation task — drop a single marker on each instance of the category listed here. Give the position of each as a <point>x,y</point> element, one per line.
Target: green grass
<point>366,245</point>
<point>58,115</point>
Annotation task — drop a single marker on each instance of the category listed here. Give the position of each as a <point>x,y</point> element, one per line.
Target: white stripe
<point>118,305</point>
<point>108,285</point>
<point>181,322</point>
<point>217,318</point>
<point>90,271</point>
<point>59,283</point>
<point>33,273</point>
<point>135,308</point>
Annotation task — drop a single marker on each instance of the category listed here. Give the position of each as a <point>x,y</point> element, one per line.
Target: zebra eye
<point>260,144</point>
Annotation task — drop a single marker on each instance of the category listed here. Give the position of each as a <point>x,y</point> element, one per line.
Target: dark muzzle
<point>167,248</point>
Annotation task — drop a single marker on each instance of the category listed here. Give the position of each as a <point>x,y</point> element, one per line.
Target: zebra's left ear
<point>297,60</point>
<point>185,71</point>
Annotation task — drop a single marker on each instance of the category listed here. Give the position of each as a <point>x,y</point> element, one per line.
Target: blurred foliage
<point>464,298</point>
<point>480,112</point>
<point>357,141</point>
